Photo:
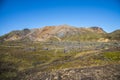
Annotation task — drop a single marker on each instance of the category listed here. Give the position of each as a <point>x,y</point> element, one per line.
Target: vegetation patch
<point>114,56</point>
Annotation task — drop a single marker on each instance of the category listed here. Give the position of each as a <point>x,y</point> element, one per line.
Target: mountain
<point>60,56</point>
<point>59,33</point>
<point>115,35</point>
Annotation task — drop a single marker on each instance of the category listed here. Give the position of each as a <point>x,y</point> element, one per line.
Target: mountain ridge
<point>60,33</point>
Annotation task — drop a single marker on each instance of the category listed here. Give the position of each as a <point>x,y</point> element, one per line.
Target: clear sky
<point>20,14</point>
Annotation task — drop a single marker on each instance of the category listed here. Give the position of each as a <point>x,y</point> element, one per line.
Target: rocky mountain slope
<point>67,53</point>
<point>59,33</point>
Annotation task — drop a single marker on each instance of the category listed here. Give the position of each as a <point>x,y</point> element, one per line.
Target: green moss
<point>8,75</point>
<point>115,56</point>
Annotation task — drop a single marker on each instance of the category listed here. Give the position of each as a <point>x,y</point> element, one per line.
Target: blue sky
<point>20,14</point>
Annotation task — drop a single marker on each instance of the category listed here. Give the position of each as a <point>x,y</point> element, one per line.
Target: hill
<point>59,33</point>
<point>115,35</point>
<point>60,53</point>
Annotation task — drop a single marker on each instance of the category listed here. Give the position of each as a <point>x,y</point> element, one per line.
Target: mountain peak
<point>97,29</point>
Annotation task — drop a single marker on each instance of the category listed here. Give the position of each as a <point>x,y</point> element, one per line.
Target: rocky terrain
<point>108,72</point>
<point>60,53</point>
